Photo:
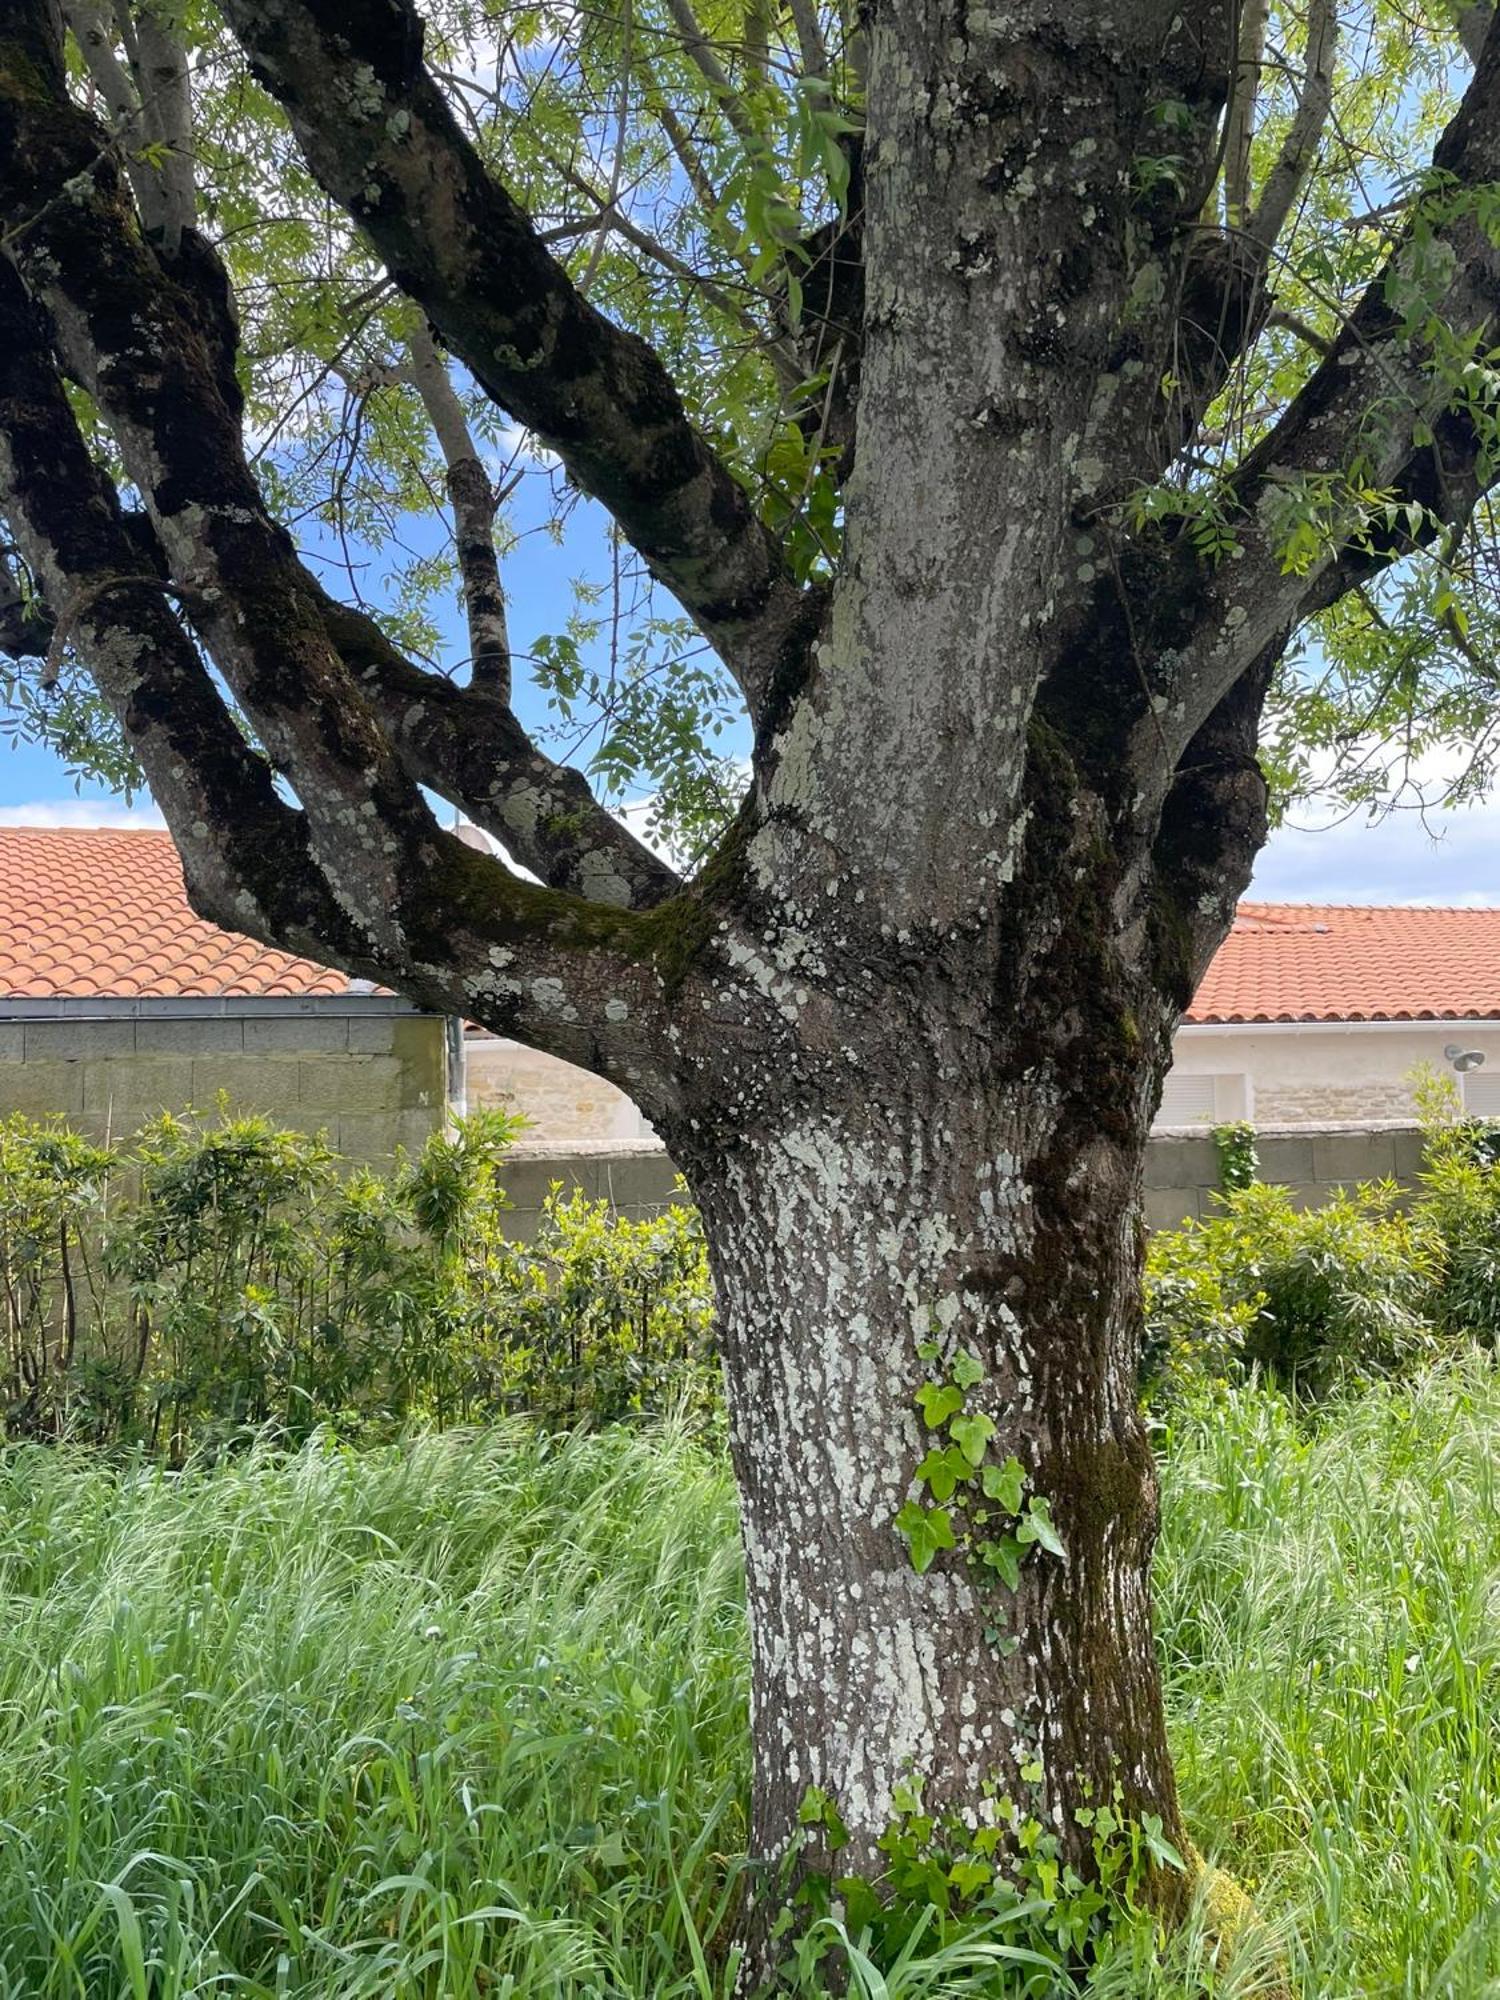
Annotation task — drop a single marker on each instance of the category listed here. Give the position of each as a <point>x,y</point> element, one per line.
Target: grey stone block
<point>345,1083</point>
<point>366,1138</point>
<point>527,1182</point>
<point>1181,1163</point>
<point>296,1033</point>
<point>1169,1208</point>
<point>42,1089</point>
<point>135,1087</point>
<point>372,1036</point>
<point>267,1085</point>
<point>1409,1149</point>
<point>641,1182</point>
<point>69,1041</point>
<point>12,1041</point>
<point>376,1136</point>
<point>182,1035</point>
<point>1308,1194</point>
<point>1284,1160</point>
<point>1349,1157</point>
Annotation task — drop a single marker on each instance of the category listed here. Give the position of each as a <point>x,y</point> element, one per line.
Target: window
<point>1482,1093</point>
<point>1188,1100</point>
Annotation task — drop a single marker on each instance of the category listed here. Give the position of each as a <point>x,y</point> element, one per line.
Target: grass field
<point>469,1717</point>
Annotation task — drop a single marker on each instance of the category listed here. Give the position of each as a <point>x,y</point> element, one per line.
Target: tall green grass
<point>468,1717</point>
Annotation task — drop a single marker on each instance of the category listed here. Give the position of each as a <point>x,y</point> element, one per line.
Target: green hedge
<point>215,1277</point>
<point>1375,1281</point>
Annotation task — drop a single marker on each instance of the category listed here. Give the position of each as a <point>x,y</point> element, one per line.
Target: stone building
<point>1320,1014</point>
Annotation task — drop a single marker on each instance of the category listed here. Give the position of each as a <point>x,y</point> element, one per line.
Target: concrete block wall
<point>637,1180</point>
<point>372,1082</point>
<point>1182,1168</point>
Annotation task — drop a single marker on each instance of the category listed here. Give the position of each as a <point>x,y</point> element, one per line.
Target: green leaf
<point>972,1434</point>
<point>1004,1484</point>
<point>1037,1527</point>
<point>1003,1556</point>
<point>925,1531</point>
<point>941,1472</point>
<point>966,1370</point>
<point>937,1402</point>
<point>969,1877</point>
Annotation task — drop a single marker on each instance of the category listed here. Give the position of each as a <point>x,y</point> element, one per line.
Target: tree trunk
<point>954,1199</point>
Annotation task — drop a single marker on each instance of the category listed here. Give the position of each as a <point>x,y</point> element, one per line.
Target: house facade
<point>118,1003</point>
<point>1324,1014</point>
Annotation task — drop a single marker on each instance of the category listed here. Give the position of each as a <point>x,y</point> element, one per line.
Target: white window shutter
<point>1188,1100</point>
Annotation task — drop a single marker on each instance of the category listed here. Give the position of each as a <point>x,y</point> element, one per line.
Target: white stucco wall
<point>1303,1074</point>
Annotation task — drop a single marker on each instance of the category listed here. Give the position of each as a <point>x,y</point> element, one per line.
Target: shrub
<point>1310,1297</point>
<point>214,1278</point>
<point>1461,1199</point>
<point>52,1193</point>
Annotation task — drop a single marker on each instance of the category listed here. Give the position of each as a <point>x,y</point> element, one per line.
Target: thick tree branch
<point>449,923</point>
<point>150,106</point>
<point>466,744</point>
<point>381,139</point>
<point>1299,150</point>
<point>810,42</point>
<point>1240,121</point>
<point>1384,408</point>
<point>25,623</point>
<point>701,53</point>
<point>1225,298</point>
<point>1473,25</point>
<point>391,720</point>
<point>219,796</point>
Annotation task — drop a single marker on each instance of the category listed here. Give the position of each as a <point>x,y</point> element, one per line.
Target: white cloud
<point>80,812</point>
<point>1450,858</point>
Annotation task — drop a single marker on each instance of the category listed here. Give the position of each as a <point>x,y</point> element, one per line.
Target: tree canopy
<point>697,176</point>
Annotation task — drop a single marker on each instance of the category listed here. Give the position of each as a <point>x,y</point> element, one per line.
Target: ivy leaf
<point>972,1434</point>
<point>969,1877</point>
<point>942,1470</point>
<point>925,1530</point>
<point>1003,1556</point>
<point>1004,1483</point>
<point>966,1370</point>
<point>938,1402</point>
<point>1037,1527</point>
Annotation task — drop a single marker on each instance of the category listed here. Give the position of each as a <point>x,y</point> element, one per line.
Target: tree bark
<point>968,1188</point>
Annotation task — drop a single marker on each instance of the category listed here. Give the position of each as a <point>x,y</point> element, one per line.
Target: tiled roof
<point>1332,962</point>
<point>90,913</point>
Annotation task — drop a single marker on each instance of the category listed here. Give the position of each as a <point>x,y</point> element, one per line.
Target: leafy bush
<point>1461,1199</point>
<point>213,1278</point>
<point>1310,1297</point>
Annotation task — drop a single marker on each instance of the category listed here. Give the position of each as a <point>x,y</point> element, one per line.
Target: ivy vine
<point>1239,1158</point>
<point>971,1501</point>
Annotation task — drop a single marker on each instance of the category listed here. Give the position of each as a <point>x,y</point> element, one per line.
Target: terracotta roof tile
<point>1343,962</point>
<point>96,912</point>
